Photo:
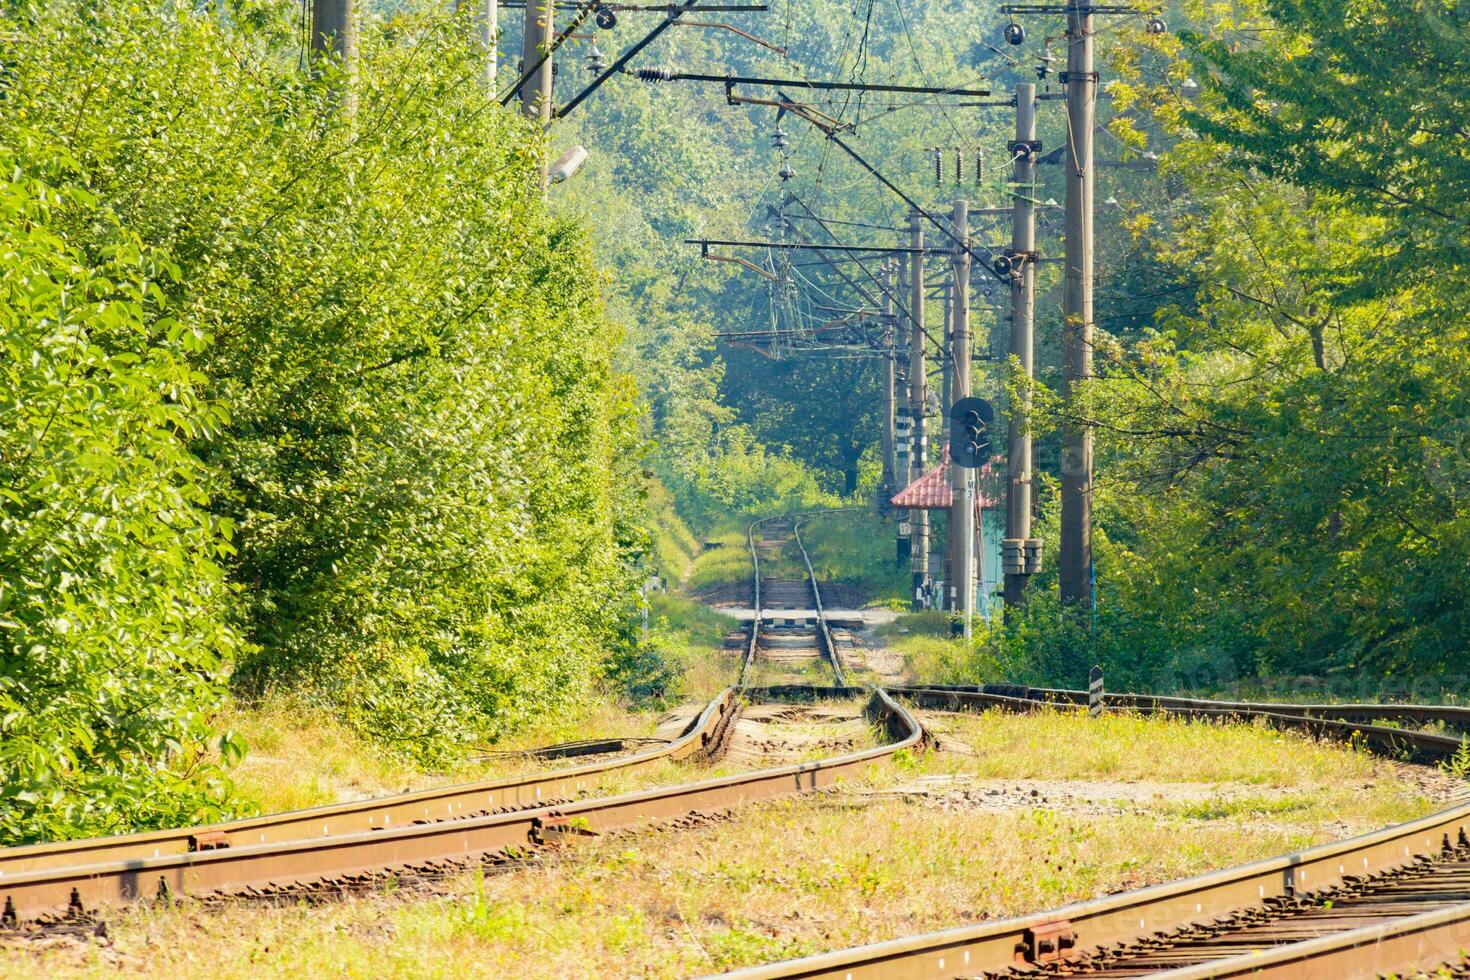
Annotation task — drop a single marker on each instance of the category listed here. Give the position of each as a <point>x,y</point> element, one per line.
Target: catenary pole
<point>889,470</point>
<point>962,480</point>
<point>918,405</point>
<point>536,91</point>
<point>334,35</point>
<point>487,30</point>
<point>903,460</point>
<point>903,450</point>
<point>1018,543</point>
<point>946,361</point>
<point>1075,561</point>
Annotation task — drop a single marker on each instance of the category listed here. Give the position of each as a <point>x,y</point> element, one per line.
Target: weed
<point>1458,765</point>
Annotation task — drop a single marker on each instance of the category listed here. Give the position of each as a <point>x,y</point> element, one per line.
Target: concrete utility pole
<point>487,30</point>
<point>889,467</point>
<point>946,362</point>
<point>962,480</point>
<point>1075,568</point>
<point>1021,554</point>
<point>918,405</point>
<point>334,35</point>
<point>536,93</point>
<point>903,435</point>
<point>946,372</point>
<point>903,432</point>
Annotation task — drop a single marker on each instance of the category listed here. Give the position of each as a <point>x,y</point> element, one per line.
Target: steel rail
<point>824,634</point>
<point>1388,741</point>
<point>755,623</point>
<point>1056,935</point>
<point>1425,714</point>
<point>826,647</point>
<point>391,831</point>
<point>444,803</point>
<point>276,865</point>
<point>1367,953</point>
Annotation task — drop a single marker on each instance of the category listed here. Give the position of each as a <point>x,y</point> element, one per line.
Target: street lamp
<point>568,164</point>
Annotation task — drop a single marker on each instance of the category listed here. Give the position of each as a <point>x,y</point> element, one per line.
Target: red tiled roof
<point>929,492</point>
<point>933,492</point>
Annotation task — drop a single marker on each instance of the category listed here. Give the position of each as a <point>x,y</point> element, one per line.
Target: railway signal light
<point>969,436</point>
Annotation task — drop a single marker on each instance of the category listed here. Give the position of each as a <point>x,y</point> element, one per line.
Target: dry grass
<point>299,756</point>
<point>928,650</point>
<point>876,860</point>
<point>1066,744</point>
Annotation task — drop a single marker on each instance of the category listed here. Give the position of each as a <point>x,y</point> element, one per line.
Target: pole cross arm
<point>708,243</point>
<point>675,11</point>
<point>754,81</point>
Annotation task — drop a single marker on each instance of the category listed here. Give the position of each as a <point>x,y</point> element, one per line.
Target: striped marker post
<point>1094,692</point>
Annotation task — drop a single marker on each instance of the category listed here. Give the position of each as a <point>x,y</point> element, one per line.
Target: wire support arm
<point>676,11</point>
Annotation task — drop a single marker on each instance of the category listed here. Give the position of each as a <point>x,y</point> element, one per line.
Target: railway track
<point>1394,901</point>
<point>447,803</point>
<point>433,829</point>
<point>790,640</point>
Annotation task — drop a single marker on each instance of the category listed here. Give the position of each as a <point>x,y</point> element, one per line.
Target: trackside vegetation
<point>292,399</point>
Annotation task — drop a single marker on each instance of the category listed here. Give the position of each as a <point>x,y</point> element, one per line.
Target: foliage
<point>675,161</point>
<point>857,549</point>
<point>742,478</point>
<point>1280,402</point>
<point>113,601</point>
<point>427,484</point>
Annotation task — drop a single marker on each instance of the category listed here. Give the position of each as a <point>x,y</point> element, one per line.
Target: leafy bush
<point>425,429</point>
<point>113,602</point>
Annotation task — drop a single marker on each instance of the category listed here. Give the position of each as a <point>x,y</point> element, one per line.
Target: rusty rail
<point>824,633</point>
<point>392,831</point>
<point>275,865</point>
<point>1397,742</point>
<point>1098,935</point>
<point>755,592</point>
<point>1421,714</point>
<point>445,803</point>
<point>1370,952</point>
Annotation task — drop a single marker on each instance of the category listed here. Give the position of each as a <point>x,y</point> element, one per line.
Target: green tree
<point>114,642</point>
<point>425,422</point>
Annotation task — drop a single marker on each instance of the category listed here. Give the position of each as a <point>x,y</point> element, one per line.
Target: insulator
<point>979,167</point>
<point>607,18</point>
<point>938,168</point>
<point>787,172</point>
<point>1155,25</point>
<point>596,60</point>
<point>959,165</point>
<point>1014,34</point>
<point>654,74</point>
